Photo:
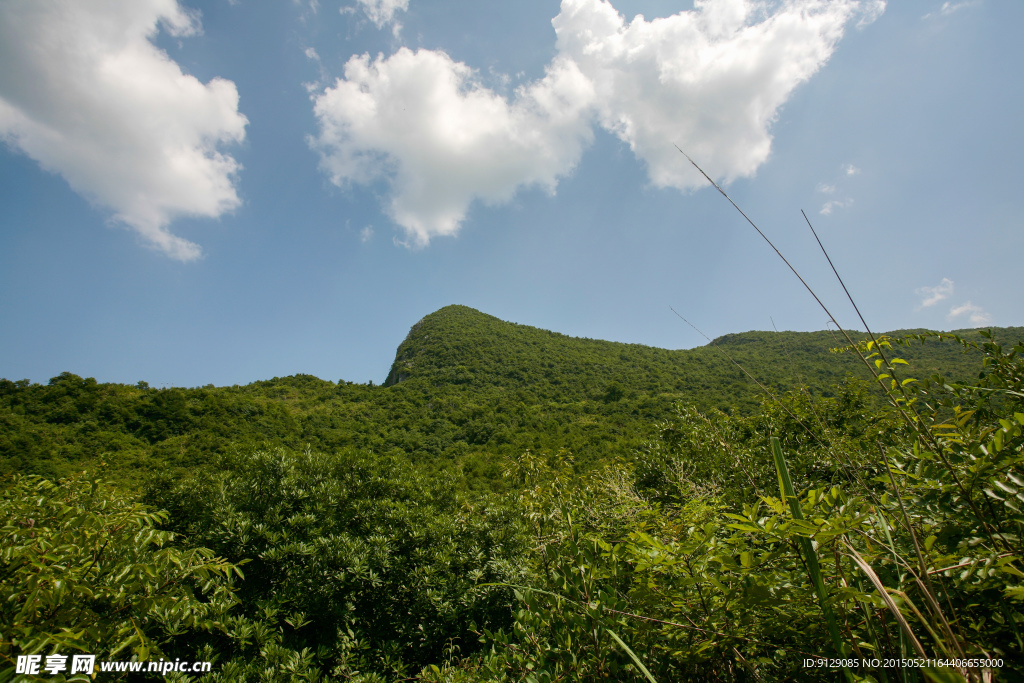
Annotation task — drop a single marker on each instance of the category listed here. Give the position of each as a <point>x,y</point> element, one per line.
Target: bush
<point>83,569</point>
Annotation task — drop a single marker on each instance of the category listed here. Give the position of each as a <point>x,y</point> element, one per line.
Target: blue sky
<point>221,192</point>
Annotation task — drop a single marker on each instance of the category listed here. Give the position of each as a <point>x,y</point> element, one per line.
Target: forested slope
<point>458,345</point>
<point>466,390</point>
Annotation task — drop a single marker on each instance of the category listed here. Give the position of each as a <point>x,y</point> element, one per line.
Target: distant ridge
<point>463,346</point>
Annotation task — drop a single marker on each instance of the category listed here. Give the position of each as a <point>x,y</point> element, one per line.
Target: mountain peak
<point>446,338</point>
<point>459,345</point>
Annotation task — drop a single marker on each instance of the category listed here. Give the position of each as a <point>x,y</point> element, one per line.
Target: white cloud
<point>948,8</point>
<point>85,93</point>
<point>831,206</point>
<point>976,314</point>
<point>382,12</point>
<point>933,295</point>
<point>870,10</point>
<point>422,121</point>
<point>827,188</point>
<point>710,80</point>
<point>365,234</point>
<point>313,56</point>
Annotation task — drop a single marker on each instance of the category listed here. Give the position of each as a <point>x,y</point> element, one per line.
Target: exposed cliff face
<point>401,368</point>
<point>414,343</point>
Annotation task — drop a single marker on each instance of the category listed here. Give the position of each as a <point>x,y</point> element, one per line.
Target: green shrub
<point>85,570</point>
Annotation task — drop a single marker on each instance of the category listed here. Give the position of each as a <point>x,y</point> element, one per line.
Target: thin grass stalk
<point>923,580</point>
<point>906,518</point>
<point>885,593</point>
<point>802,281</point>
<point>930,601</point>
<point>934,608</point>
<point>904,643</point>
<point>752,378</point>
<point>881,354</point>
<point>936,636</point>
<point>875,639</point>
<point>868,621</point>
<point>880,587</point>
<point>748,665</point>
<point>829,447</point>
<point>853,303</point>
<point>811,557</point>
<point>793,269</point>
<point>923,434</point>
<point>821,304</point>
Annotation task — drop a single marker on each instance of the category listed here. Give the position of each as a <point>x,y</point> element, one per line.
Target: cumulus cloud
<point>975,314</point>
<point>710,80</point>
<point>85,93</point>
<point>850,169</point>
<point>425,123</point>
<point>933,295</point>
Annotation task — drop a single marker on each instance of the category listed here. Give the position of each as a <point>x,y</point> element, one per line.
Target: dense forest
<point>515,504</point>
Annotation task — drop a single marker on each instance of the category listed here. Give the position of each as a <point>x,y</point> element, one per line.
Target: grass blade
<point>810,556</point>
<point>632,655</point>
<point>873,577</point>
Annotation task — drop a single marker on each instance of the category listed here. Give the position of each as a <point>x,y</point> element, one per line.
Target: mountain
<point>465,391</point>
<point>458,345</point>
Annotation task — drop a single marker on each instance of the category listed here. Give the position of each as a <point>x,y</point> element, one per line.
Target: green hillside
<point>458,345</point>
<point>513,504</point>
<point>465,391</point>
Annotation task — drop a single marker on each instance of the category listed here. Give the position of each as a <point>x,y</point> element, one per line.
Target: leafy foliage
<point>86,570</point>
<point>357,558</point>
<point>917,554</point>
<point>519,505</point>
